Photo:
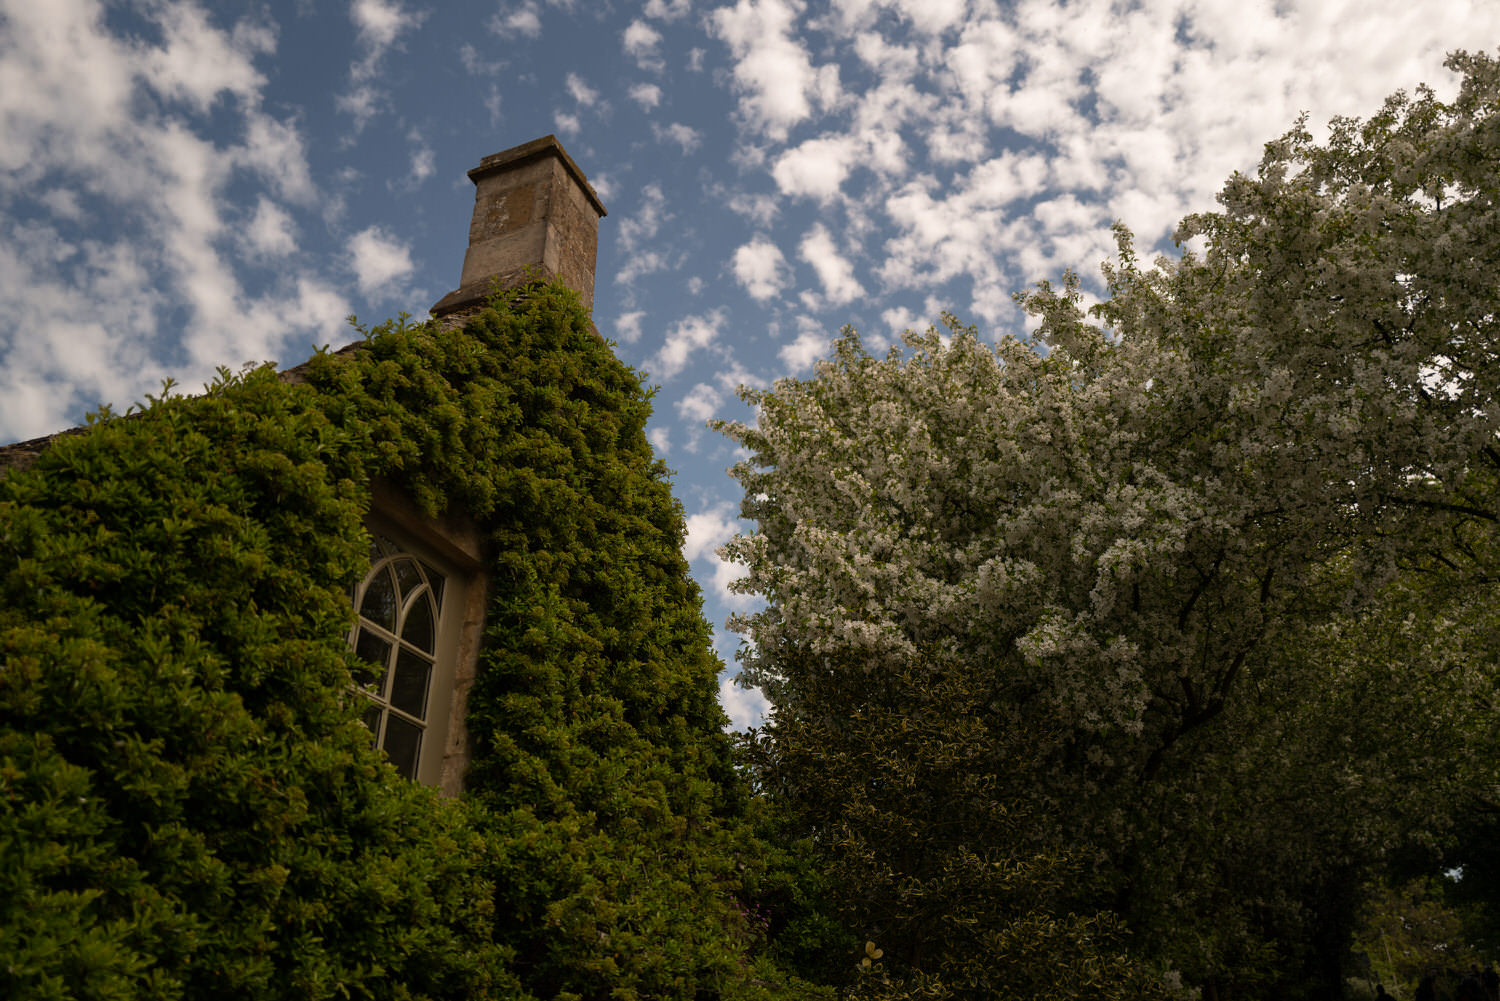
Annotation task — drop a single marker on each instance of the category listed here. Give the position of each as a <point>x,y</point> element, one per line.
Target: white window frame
<point>439,703</point>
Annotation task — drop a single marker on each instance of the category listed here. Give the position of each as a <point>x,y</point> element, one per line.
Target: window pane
<point>402,742</point>
<point>407,575</point>
<point>371,720</point>
<point>374,651</point>
<point>379,605</point>
<point>419,629</point>
<point>409,690</point>
<point>435,581</point>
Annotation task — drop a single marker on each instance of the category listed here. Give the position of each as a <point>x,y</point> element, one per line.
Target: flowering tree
<point>1169,612</point>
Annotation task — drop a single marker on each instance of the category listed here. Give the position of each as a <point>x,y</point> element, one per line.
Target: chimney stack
<point>533,209</point>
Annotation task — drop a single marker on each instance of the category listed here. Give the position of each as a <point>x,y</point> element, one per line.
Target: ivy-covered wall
<point>188,805</point>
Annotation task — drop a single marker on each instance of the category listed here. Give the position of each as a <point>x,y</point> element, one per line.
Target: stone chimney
<point>534,212</point>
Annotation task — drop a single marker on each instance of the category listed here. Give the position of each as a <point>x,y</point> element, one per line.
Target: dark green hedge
<point>188,807</point>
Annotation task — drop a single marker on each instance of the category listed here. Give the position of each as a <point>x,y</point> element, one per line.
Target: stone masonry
<point>534,212</point>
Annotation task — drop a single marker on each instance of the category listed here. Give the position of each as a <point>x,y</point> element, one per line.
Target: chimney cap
<point>547,145</point>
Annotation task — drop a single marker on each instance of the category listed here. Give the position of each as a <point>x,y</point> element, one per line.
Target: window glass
<point>403,744</point>
<point>377,653</point>
<point>407,576</point>
<point>379,603</point>
<point>420,628</point>
<point>409,688</point>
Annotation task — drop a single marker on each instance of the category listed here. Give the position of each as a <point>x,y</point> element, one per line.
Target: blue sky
<point>185,186</point>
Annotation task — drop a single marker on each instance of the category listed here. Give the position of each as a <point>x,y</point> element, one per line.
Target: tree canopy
<point>1177,615</point>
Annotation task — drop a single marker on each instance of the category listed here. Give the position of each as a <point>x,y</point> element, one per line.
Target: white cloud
<point>581,91</point>
<point>643,44</point>
<point>899,319</point>
<point>640,262</point>
<point>759,209</point>
<point>1007,178</point>
<point>724,578</point>
<point>647,95</point>
<point>196,62</point>
<point>567,124</point>
<point>275,150</point>
<point>707,532</point>
<point>1140,113</point>
<point>59,359</point>
<point>734,375</point>
<point>772,70</point>
<point>378,24</point>
<point>62,203</point>
<point>709,529</point>
<point>815,169</point>
<point>701,404</point>
<point>683,135</point>
<point>687,337</point>
<point>603,185</point>
<point>636,231</point>
<point>628,326</point>
<point>423,164</point>
<point>745,707</point>
<point>932,16</point>
<point>660,440</point>
<point>956,139</point>
<point>811,344</point>
<point>378,259</point>
<point>524,19</point>
<point>105,125</point>
<point>476,65</point>
<point>668,10</point>
<point>851,15</point>
<point>361,102</point>
<point>271,232</point>
<point>760,267</point>
<point>834,271</point>
<point>749,156</point>
<point>1066,214</point>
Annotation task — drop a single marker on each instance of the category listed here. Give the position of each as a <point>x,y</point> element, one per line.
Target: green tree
<point>1208,572</point>
<point>1409,929</point>
<point>909,725</point>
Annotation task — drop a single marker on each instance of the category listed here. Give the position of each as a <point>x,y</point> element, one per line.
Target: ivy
<point>189,807</point>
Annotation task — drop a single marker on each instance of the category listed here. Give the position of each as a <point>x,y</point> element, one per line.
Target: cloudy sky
<point>183,188</point>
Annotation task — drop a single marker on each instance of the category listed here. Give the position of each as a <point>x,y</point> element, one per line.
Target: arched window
<point>404,633</point>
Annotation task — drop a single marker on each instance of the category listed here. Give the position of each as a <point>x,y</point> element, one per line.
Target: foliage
<point>897,781</point>
<point>905,726</point>
<point>1408,930</point>
<point>597,737</point>
<point>1475,854</point>
<point>1201,586</point>
<point>191,808</point>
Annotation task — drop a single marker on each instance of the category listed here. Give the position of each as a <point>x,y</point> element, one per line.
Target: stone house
<point>421,607</point>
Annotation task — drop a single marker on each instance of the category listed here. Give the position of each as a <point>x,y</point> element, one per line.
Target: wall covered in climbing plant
<point>189,806</point>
